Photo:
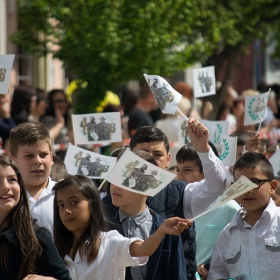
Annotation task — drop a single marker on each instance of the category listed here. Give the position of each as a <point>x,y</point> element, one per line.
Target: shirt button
<point>252,250</point>
<point>251,232</point>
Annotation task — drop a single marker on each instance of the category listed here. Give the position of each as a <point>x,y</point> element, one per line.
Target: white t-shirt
<point>112,259</point>
<point>42,209</point>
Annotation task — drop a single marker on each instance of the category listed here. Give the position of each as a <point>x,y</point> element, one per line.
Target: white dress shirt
<point>42,209</point>
<point>244,252</point>
<point>199,195</point>
<point>112,259</point>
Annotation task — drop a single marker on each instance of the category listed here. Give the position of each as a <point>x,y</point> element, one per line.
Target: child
<point>137,220</point>
<point>30,147</point>
<point>25,248</point>
<point>209,226</point>
<point>178,198</point>
<point>82,239</point>
<point>248,247</point>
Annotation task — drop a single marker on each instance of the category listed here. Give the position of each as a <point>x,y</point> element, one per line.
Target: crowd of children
<point>64,230</point>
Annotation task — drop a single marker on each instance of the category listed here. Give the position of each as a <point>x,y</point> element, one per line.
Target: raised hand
<point>175,226</point>
<point>199,135</point>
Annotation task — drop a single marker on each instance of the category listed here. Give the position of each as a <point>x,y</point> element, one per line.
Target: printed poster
<point>255,107</point>
<point>204,81</point>
<point>6,63</point>
<point>166,96</point>
<point>84,162</point>
<point>97,128</point>
<point>137,175</point>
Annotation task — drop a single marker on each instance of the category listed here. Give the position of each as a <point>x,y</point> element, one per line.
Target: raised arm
<point>174,226</point>
<point>199,195</point>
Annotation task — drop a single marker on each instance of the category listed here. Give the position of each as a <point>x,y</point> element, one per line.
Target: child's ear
<point>168,160</point>
<point>12,157</point>
<point>52,158</point>
<point>273,186</point>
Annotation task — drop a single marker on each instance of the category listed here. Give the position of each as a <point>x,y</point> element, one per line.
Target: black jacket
<point>48,264</point>
<point>168,203</point>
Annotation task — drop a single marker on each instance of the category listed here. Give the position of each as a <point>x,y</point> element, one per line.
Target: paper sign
<point>241,186</point>
<point>204,81</point>
<point>226,147</point>
<point>255,107</point>
<point>217,129</point>
<point>96,128</point>
<point>6,63</point>
<point>166,96</point>
<point>137,175</point>
<point>93,165</point>
<point>275,162</point>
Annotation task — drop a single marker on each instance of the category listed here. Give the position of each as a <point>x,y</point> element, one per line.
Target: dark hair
<point>242,137</point>
<point>22,100</point>
<point>28,134</point>
<point>129,102</point>
<point>112,108</point>
<point>50,111</point>
<point>21,223</point>
<point>59,171</point>
<point>89,241</point>
<point>146,156</point>
<point>144,91</point>
<point>252,160</point>
<point>271,150</point>
<point>224,106</point>
<point>147,134</point>
<point>189,153</point>
<point>41,96</point>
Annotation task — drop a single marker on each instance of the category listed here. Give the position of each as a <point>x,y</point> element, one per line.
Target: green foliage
<point>108,42</point>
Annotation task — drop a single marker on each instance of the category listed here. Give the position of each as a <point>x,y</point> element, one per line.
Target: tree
<point>113,41</point>
<point>110,42</point>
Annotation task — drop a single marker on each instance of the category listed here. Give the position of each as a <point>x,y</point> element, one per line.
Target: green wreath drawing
<point>162,176</point>
<point>252,115</point>
<point>110,118</point>
<point>107,161</point>
<point>217,139</point>
<point>226,152</point>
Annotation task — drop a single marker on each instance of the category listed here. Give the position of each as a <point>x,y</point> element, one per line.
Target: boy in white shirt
<point>30,147</point>
<point>248,247</point>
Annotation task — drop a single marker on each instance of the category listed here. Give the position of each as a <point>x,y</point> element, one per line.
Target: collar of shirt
<point>270,210</point>
<point>138,219</point>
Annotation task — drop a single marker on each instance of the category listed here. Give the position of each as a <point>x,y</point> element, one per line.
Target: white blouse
<point>112,259</point>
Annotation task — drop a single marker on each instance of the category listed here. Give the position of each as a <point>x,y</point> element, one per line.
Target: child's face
<point>35,162</point>
<point>130,202</point>
<point>74,210</point>
<point>9,191</point>
<point>189,172</point>
<point>255,201</point>
<point>157,150</point>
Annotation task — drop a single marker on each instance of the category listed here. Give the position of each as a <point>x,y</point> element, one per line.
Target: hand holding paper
<point>241,185</point>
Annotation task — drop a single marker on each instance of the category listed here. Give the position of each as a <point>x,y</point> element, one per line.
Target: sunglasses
<point>258,182</point>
